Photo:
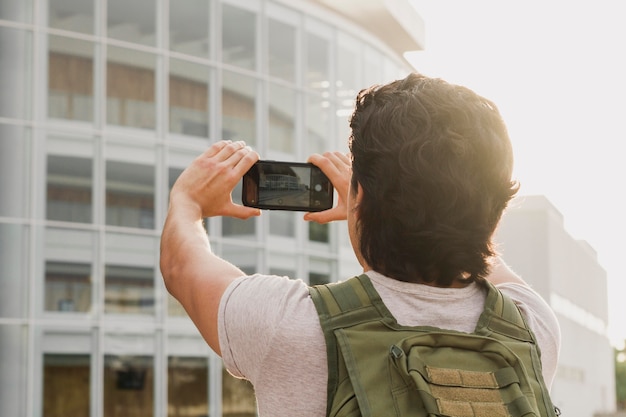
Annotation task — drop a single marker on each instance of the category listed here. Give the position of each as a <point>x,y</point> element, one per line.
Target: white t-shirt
<point>270,334</point>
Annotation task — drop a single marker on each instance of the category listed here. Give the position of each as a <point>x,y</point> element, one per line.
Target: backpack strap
<point>341,305</point>
<point>347,303</point>
<point>352,301</point>
<point>503,318</point>
<point>501,315</point>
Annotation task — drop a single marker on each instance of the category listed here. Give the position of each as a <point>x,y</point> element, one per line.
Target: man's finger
<point>228,150</point>
<point>248,158</point>
<point>340,160</point>
<point>334,165</point>
<point>326,216</point>
<point>243,212</point>
<point>215,148</point>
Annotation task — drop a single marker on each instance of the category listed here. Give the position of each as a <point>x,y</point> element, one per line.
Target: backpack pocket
<point>459,375</point>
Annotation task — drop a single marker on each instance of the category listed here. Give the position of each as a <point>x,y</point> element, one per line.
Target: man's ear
<point>358,196</point>
<point>359,193</point>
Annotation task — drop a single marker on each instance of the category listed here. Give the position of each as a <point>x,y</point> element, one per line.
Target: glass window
<point>237,227</point>
<point>174,308</point>
<point>76,16</point>
<point>319,271</point>
<point>283,264</point>
<point>66,382</point>
<point>128,290</point>
<point>15,168</point>
<point>282,50</point>
<point>243,258</point>
<point>349,67</point>
<point>68,189</point>
<point>282,105</point>
<point>190,32</point>
<point>319,232</point>
<point>315,278</point>
<point>128,386</point>
<point>18,10</point>
<point>238,37</point>
<point>282,223</point>
<point>373,68</point>
<point>70,78</point>
<point>16,70</point>
<point>282,272</point>
<point>129,195</point>
<point>238,108</point>
<point>344,235</point>
<point>132,21</point>
<point>68,287</point>
<point>187,387</point>
<point>13,272</point>
<point>318,117</point>
<point>317,62</point>
<point>237,396</point>
<point>130,88</point>
<point>343,128</point>
<point>189,98</point>
<point>173,174</point>
<point>14,362</point>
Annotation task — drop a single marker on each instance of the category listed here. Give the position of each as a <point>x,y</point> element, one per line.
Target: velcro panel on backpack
<point>470,379</point>
<point>469,393</point>
<point>458,408</point>
<point>465,375</point>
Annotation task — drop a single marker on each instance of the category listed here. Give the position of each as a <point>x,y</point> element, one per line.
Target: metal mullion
<point>159,362</point>
<point>33,349</point>
<point>99,185</point>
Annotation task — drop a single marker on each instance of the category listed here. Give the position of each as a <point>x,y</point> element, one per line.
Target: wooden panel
<point>188,94</point>
<point>70,74</point>
<point>129,82</point>
<point>66,391</point>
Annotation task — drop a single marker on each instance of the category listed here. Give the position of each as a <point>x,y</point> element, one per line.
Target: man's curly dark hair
<point>434,161</point>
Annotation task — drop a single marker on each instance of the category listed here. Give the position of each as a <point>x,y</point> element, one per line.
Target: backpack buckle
<point>396,352</point>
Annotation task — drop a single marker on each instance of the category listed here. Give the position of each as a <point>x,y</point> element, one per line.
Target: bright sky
<point>556,69</point>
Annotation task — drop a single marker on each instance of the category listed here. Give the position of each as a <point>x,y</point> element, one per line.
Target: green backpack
<point>378,368</point>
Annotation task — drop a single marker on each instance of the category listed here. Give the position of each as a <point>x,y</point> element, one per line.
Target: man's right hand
<point>207,184</point>
<point>338,168</point>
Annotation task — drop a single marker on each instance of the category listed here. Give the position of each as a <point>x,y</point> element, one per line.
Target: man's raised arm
<point>192,273</point>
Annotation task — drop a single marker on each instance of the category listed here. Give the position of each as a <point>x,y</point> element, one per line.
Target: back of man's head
<point>434,161</point>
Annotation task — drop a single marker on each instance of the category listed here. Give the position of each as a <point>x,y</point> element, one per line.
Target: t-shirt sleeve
<point>542,321</point>
<point>250,314</point>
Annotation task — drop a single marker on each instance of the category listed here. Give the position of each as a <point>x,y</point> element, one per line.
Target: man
<point>424,188</point>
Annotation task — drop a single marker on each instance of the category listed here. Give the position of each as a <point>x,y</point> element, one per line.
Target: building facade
<point>102,105</point>
<point>567,274</point>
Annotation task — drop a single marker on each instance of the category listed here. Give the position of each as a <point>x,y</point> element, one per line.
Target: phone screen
<point>274,185</point>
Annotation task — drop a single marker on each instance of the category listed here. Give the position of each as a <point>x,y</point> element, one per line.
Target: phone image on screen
<point>296,186</point>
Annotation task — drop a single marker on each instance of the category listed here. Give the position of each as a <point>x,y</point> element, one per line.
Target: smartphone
<point>296,186</point>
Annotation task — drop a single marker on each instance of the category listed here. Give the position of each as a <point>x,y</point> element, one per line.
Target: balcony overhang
<point>394,22</point>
